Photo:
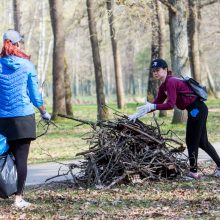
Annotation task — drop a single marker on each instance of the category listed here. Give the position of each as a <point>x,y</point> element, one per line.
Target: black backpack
<point>197,88</point>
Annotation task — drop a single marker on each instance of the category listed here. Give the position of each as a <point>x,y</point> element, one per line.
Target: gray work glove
<point>45,116</point>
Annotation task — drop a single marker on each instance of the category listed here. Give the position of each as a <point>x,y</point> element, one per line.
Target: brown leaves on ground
<point>149,200</point>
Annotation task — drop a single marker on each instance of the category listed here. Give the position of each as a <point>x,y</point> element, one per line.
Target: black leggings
<point>196,134</point>
<point>20,150</point>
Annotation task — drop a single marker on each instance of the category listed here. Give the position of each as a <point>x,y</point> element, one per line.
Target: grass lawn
<point>64,142</point>
<point>149,200</point>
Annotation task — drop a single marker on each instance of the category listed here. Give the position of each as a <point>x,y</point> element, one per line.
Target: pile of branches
<point>121,152</point>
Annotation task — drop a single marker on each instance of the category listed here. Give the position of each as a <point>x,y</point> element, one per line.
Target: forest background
<point>135,34</point>
<point>98,52</point>
<point>65,39</point>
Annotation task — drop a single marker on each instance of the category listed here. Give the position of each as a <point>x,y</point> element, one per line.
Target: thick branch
<point>79,120</point>
<point>86,152</point>
<point>145,134</point>
<point>95,169</point>
<point>205,3</point>
<point>169,5</point>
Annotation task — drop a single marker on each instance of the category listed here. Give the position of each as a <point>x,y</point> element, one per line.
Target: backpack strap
<point>185,94</point>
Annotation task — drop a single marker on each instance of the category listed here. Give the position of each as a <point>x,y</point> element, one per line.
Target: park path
<point>37,174</point>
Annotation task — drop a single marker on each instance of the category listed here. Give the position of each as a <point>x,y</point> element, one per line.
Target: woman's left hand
<point>45,116</point>
<point>141,111</point>
<point>148,107</point>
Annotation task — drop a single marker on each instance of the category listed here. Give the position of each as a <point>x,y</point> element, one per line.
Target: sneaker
<point>217,172</point>
<point>21,204</point>
<point>196,176</point>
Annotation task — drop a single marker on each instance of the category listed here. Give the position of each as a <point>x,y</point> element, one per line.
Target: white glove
<point>148,107</point>
<point>133,117</point>
<point>141,111</point>
<point>45,116</point>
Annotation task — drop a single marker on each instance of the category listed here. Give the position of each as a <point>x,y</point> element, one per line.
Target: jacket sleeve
<point>171,97</point>
<point>34,93</point>
<point>161,96</point>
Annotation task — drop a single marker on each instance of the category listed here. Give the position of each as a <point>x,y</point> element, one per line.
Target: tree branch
<point>169,5</point>
<point>207,2</point>
<point>145,134</point>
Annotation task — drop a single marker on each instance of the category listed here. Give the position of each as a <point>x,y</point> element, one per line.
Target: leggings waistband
<point>192,105</point>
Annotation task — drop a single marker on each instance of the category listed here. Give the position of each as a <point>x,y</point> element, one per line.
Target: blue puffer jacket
<point>18,87</point>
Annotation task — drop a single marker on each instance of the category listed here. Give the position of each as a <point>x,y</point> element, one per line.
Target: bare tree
<point>42,44</point>
<point>102,111</point>
<point>210,84</point>
<point>68,92</point>
<point>153,84</point>
<point>17,15</point>
<point>116,56</point>
<point>162,27</point>
<point>180,52</point>
<point>162,36</point>
<point>56,13</point>
<point>157,47</point>
<point>179,38</point>
<point>195,46</point>
<point>179,47</point>
<point>178,44</point>
<point>129,68</point>
<point>194,40</point>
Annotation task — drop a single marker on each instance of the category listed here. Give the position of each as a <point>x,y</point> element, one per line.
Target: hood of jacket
<point>10,63</point>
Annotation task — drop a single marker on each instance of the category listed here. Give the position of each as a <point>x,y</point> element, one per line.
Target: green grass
<point>64,142</point>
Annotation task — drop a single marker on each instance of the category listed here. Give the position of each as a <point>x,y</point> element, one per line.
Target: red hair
<point>11,49</point>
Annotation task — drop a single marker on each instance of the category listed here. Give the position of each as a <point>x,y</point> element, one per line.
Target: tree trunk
<point>157,48</point>
<point>56,13</point>
<point>9,14</point>
<point>153,84</point>
<point>132,87</point>
<point>46,62</point>
<point>179,46</point>
<point>116,56</point>
<point>76,84</point>
<point>102,110</point>
<point>206,76</point>
<point>179,38</point>
<point>129,68</point>
<point>179,116</point>
<point>42,45</point>
<point>194,40</point>
<point>162,36</point>
<point>17,15</point>
<point>68,92</point>
<point>162,28</point>
<point>108,77</point>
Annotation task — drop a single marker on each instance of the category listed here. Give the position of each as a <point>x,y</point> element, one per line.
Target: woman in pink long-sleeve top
<point>174,92</point>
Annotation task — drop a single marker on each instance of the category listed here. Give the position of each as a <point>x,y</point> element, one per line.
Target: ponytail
<point>9,49</point>
<point>169,72</point>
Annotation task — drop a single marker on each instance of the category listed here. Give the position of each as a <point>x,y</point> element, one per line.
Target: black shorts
<point>18,127</point>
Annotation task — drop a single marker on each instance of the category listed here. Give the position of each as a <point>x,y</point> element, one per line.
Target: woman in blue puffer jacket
<point>18,94</point>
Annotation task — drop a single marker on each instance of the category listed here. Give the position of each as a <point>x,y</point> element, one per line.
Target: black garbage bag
<point>8,176</point>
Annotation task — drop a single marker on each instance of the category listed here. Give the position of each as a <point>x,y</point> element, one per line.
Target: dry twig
<point>120,149</point>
